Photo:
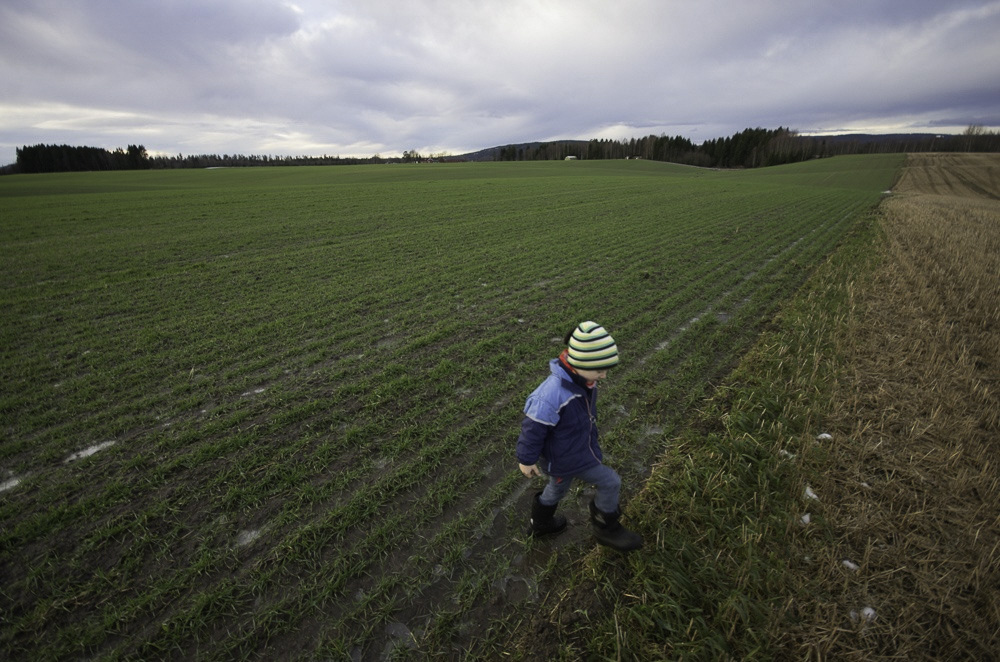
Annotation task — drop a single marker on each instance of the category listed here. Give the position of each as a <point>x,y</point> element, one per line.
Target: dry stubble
<point>914,498</point>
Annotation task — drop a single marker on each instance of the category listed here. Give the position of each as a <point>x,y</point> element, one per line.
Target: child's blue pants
<point>603,477</point>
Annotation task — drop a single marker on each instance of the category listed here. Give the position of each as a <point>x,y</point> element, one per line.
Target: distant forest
<point>67,158</point>
<point>750,148</point>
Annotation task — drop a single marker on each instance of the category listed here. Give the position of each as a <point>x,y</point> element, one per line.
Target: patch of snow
<point>87,452</point>
<point>246,537</point>
<point>868,614</point>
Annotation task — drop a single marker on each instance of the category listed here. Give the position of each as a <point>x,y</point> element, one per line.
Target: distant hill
<point>493,153</point>
<point>905,140</point>
<point>880,137</point>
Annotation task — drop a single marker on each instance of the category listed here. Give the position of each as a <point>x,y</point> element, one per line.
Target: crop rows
<point>312,380</point>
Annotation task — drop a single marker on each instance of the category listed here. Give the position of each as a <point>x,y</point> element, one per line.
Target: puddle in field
<point>10,484</point>
<point>87,452</point>
<point>400,637</point>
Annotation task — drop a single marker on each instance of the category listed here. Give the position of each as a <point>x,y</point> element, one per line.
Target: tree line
<point>750,148</point>
<point>658,148</point>
<point>69,158</point>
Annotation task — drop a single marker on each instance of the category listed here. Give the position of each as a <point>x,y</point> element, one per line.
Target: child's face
<point>592,375</point>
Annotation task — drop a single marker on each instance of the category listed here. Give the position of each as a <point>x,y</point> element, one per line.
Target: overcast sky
<point>364,77</point>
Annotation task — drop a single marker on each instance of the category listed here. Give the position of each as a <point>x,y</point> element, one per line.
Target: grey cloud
<point>302,76</point>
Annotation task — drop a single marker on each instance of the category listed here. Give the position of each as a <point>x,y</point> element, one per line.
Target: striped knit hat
<point>591,347</point>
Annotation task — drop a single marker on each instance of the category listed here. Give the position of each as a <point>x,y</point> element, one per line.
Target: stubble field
<point>271,412</point>
<point>913,494</point>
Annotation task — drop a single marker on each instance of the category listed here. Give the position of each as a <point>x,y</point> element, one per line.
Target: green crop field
<point>272,412</point>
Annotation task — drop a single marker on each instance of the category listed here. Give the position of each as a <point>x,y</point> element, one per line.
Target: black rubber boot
<point>610,532</point>
<point>544,519</point>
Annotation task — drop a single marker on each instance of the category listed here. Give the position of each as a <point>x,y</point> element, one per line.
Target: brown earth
<point>913,489</point>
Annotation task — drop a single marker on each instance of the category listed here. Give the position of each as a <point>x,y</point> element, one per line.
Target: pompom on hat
<point>591,347</point>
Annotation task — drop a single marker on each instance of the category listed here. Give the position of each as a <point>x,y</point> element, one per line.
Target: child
<point>560,425</point>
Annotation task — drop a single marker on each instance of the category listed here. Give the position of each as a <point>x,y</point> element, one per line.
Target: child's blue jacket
<point>560,425</point>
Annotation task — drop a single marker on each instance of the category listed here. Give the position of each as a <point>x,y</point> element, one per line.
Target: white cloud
<point>353,78</point>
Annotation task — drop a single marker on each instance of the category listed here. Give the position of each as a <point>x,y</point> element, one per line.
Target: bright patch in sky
<point>355,79</point>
